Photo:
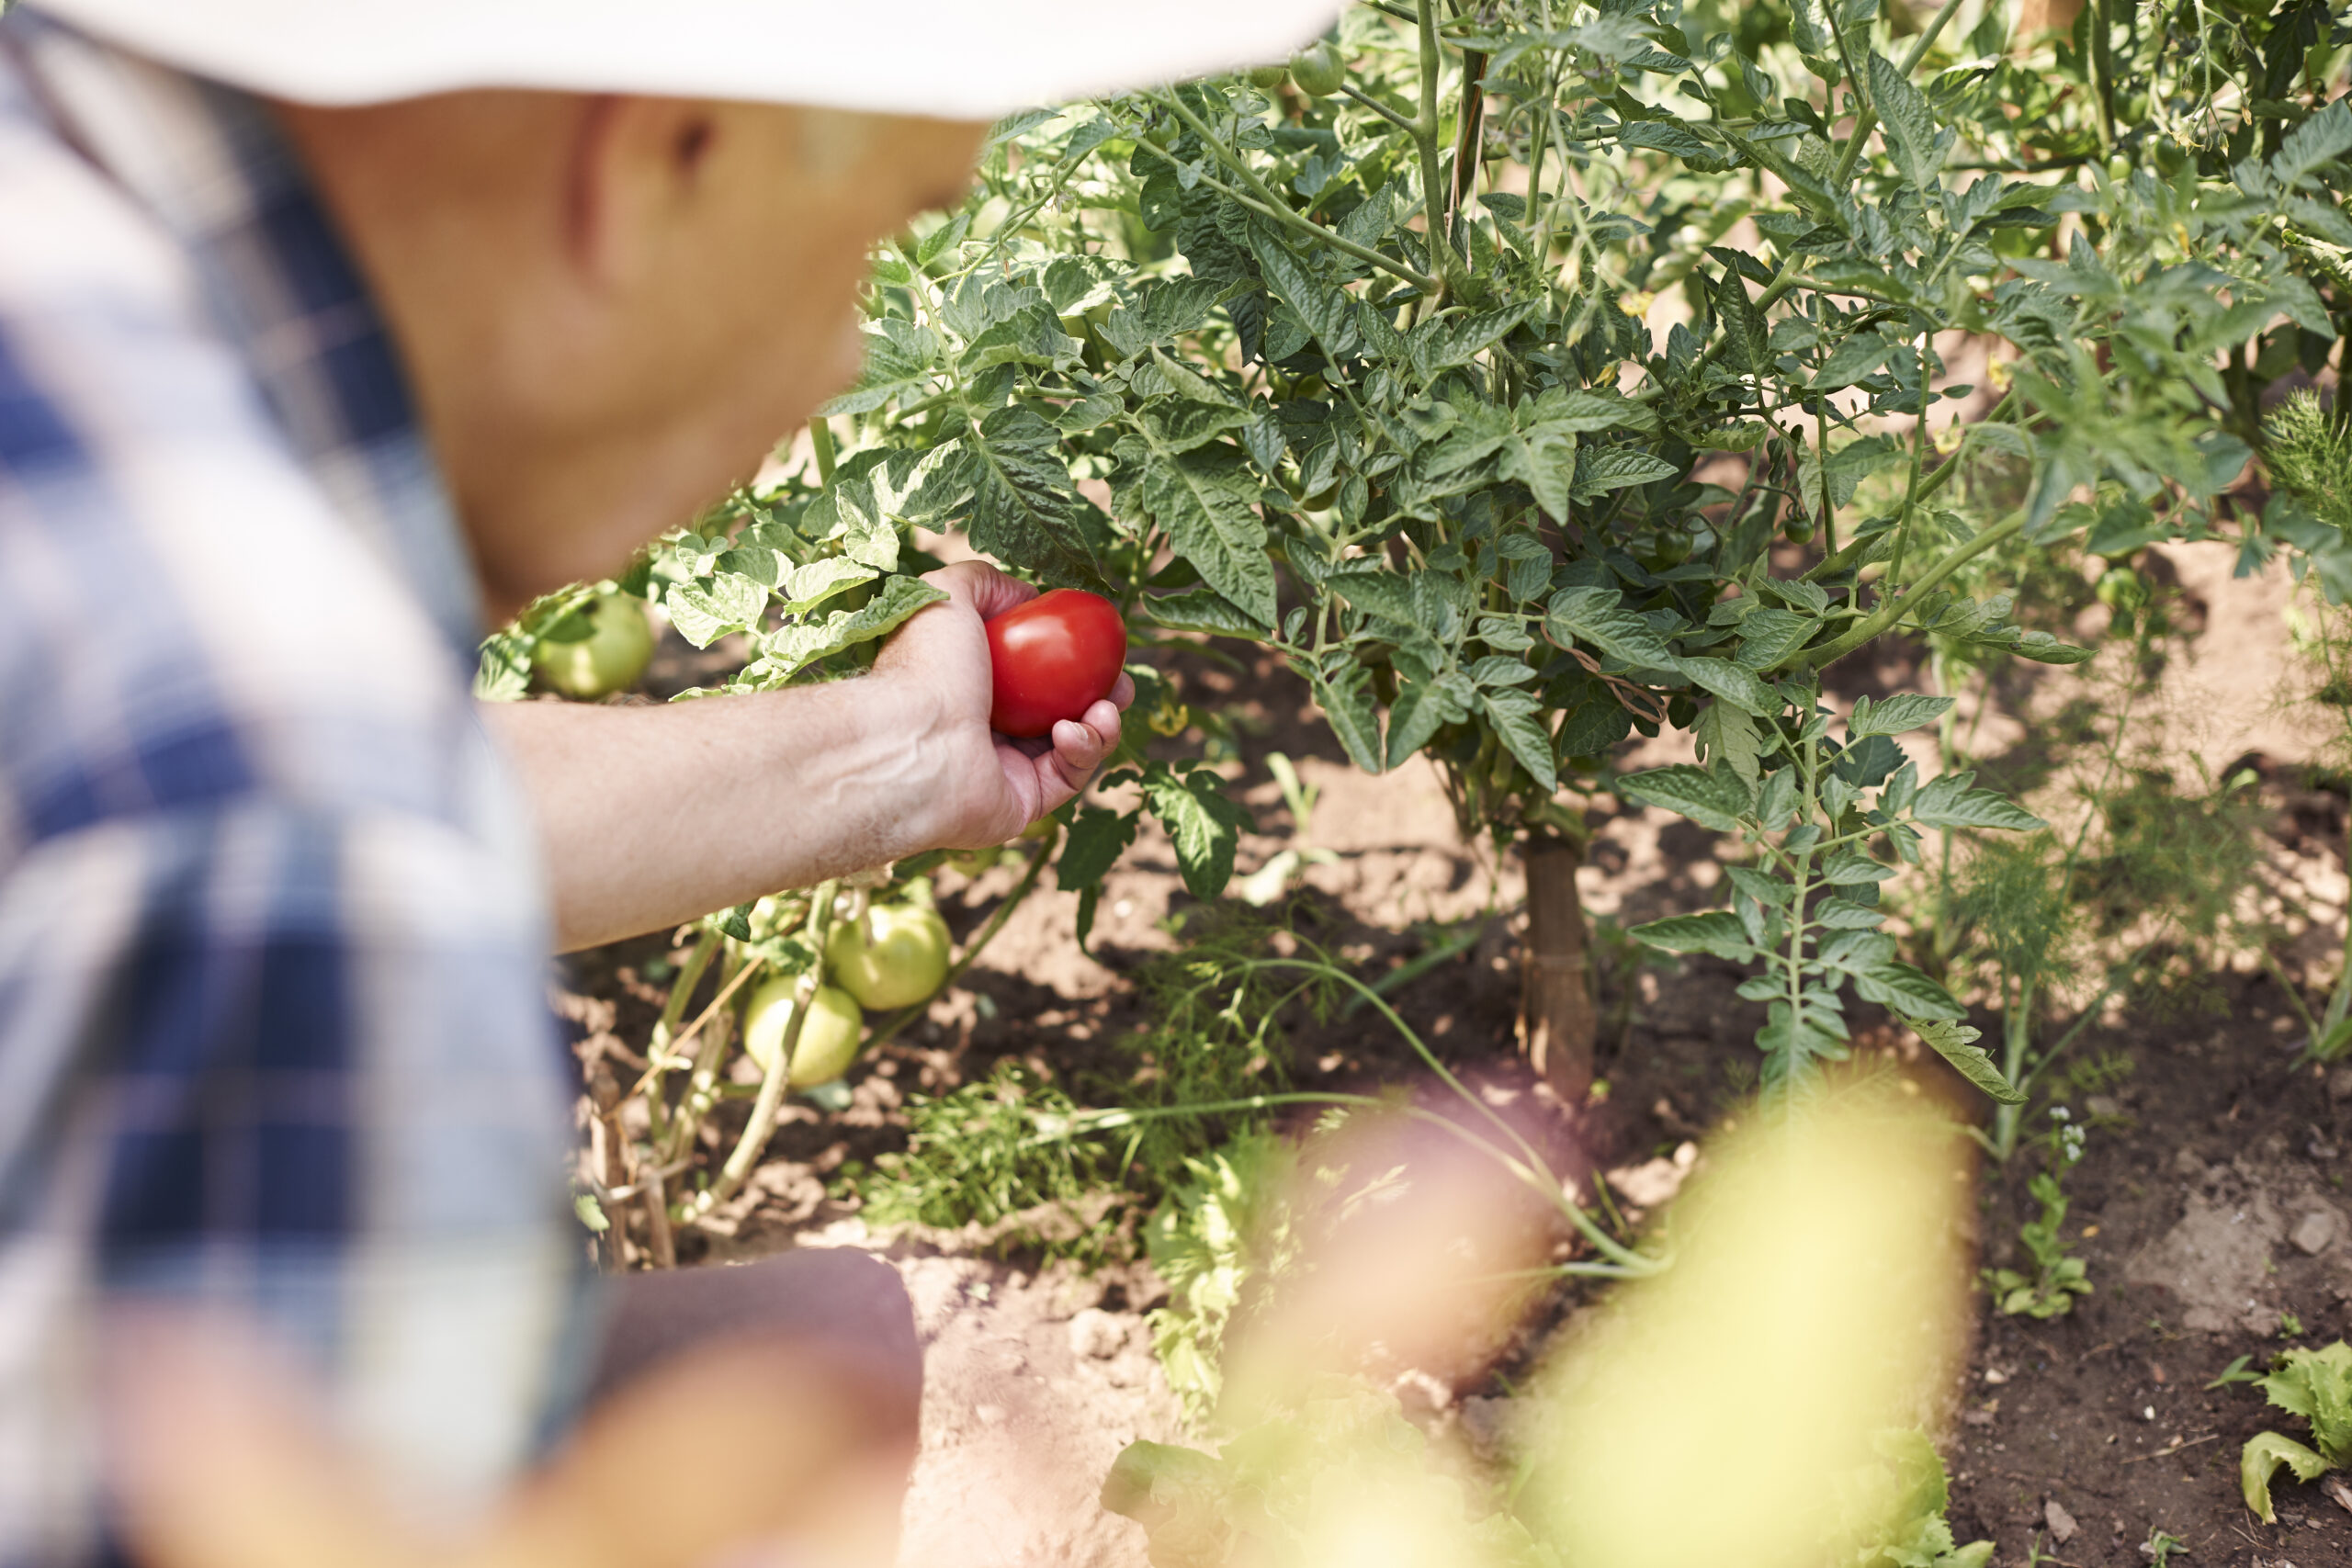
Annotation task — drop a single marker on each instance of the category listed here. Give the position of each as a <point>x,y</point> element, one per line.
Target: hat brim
<point>947,58</point>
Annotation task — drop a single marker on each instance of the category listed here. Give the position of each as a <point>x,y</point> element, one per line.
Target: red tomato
<point>1053,658</point>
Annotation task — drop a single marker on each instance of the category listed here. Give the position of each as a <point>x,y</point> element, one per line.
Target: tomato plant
<point>1052,658</point>
<point>1563,377</point>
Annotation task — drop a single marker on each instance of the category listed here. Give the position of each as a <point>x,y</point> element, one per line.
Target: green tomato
<point>1317,69</point>
<point>904,961</point>
<point>1267,78</point>
<point>827,1042</point>
<point>2119,588</point>
<point>1798,529</point>
<point>609,659</point>
<point>2119,168</point>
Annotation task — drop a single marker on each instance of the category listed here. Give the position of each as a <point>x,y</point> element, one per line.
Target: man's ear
<point>636,167</point>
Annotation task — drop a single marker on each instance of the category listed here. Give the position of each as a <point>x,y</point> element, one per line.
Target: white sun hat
<point>952,59</point>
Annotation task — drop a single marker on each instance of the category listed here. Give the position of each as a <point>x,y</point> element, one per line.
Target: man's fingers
<point>1123,693</point>
<point>988,593</point>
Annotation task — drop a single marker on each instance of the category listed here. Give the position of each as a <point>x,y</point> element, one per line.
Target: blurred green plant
<point>2317,1386</point>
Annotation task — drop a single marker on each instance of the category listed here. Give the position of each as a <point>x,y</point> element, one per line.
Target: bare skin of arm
<point>651,816</point>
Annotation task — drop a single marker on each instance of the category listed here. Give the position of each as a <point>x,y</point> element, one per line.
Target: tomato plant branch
<point>1280,211</point>
<point>1884,617</point>
<point>762,1126</point>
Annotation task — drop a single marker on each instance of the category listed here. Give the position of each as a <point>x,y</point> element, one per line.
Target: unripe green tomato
<point>904,962</point>
<point>2171,156</point>
<point>1267,78</point>
<point>1318,70</point>
<point>609,659</point>
<point>972,862</point>
<point>2119,588</point>
<point>2119,168</point>
<point>1798,529</point>
<point>1161,131</point>
<point>827,1042</point>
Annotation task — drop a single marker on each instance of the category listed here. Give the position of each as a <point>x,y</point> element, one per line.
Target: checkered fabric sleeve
<point>271,1030</point>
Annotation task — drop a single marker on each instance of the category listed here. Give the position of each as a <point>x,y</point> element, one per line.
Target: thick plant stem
<point>673,1010</point>
<point>1557,1021</point>
<point>1425,141</point>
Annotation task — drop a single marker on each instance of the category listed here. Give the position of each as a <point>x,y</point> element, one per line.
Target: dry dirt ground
<point>2211,1204</point>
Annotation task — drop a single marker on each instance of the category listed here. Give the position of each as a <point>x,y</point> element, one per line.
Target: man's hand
<point>988,788</point>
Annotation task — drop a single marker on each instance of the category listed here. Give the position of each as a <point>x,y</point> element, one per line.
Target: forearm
<point>651,816</point>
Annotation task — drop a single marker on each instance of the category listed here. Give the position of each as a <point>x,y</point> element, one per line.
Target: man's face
<point>735,296</point>
<point>614,307</point>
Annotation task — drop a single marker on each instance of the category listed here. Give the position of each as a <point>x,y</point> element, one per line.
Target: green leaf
<point>1712,797</point>
<point>1436,346</point>
<point>796,646</point>
<point>1852,359</point>
<point>1948,801</point>
<point>1955,1043</point>
<point>1097,838</point>
<point>1902,989</point>
<point>1849,867</point>
<point>1725,733</point>
<point>1347,703</point>
<point>1201,610</point>
<point>1600,469</point>
<point>705,611</point>
<point>1747,333</point>
<point>1328,311</point>
<point>1203,824</point>
<point>1597,616</point>
<point>1180,424</point>
<point>1907,124</point>
<point>1719,933</point>
<point>2259,1460</point>
<point>1896,715</point>
<point>1376,590</point>
<point>1202,499</point>
<point>1844,915</point>
<point>1767,635</point>
<point>1022,508</point>
<point>2317,1386</point>
<point>1741,688</point>
<point>1517,718</point>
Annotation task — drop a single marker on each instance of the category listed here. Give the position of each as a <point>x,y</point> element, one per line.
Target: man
<point>330,331</point>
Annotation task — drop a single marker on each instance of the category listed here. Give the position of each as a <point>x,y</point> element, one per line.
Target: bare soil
<point>2211,1204</point>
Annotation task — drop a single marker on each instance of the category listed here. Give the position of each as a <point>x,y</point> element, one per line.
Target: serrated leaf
<point>1902,989</point>
<point>1347,704</point>
<point>1907,123</point>
<point>1955,1043</point>
<point>1096,840</point>
<point>1202,499</point>
<point>1024,509</point>
<point>1517,718</point>
<point>1848,866</point>
<point>1597,616</point>
<point>1896,715</point>
<point>1769,635</point>
<point>1203,825</point>
<point>1725,732</point>
<point>1325,310</point>
<point>1949,802</point>
<point>790,647</point>
<point>1728,682</point>
<point>1201,610</point>
<point>1719,933</point>
<point>1844,915</point>
<point>1600,469</point>
<point>705,611</point>
<point>1853,358</point>
<point>1182,424</point>
<point>1712,797</point>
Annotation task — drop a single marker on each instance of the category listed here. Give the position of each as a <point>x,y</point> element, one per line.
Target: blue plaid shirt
<point>272,1032</point>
